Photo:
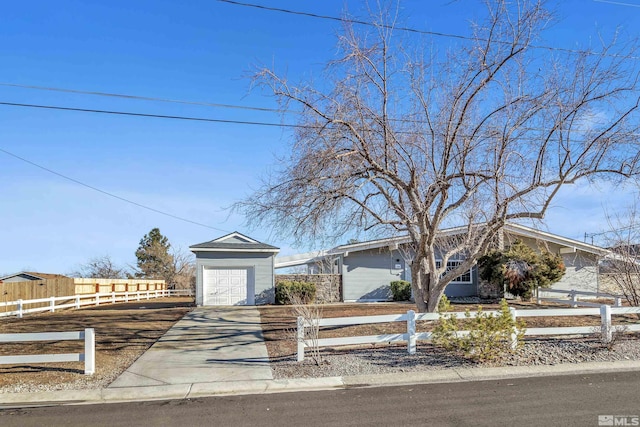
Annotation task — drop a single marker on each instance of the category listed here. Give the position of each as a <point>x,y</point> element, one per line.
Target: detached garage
<point>234,270</point>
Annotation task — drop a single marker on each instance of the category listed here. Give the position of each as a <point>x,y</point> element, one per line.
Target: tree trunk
<point>418,286</point>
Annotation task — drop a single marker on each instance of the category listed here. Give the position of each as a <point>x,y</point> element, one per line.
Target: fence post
<point>411,332</point>
<point>20,309</point>
<point>89,351</point>
<point>605,317</point>
<point>138,296</point>
<point>77,301</point>
<point>300,338</point>
<point>618,302</point>
<point>514,332</point>
<point>147,294</point>
<point>573,299</point>
<point>52,304</point>
<point>126,296</point>
<point>538,301</point>
<point>97,299</point>
<point>113,297</point>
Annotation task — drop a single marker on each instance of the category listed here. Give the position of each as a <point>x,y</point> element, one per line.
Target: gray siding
<point>581,273</point>
<point>464,289</point>
<point>367,274</point>
<point>260,276</point>
<point>581,267</point>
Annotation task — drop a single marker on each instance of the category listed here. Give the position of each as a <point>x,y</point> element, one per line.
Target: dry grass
<point>123,333</point>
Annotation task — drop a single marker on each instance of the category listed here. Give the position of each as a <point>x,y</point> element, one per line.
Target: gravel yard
<point>279,323</point>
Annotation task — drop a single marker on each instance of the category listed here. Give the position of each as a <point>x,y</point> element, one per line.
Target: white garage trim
<point>228,286</point>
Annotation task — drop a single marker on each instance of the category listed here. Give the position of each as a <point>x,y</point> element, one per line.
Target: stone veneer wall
<point>328,286</point>
<point>489,290</point>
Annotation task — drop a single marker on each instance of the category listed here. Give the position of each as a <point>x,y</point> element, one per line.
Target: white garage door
<point>224,286</point>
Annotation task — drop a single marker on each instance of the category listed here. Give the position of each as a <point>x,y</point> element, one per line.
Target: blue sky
<point>199,51</point>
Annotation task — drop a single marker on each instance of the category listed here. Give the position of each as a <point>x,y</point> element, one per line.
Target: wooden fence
<point>51,304</point>
<point>412,336</point>
<point>33,289</point>
<point>68,286</point>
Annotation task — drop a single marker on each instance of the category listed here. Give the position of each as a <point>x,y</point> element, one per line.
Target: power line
<point>157,116</point>
<point>350,20</point>
<point>140,98</point>
<point>409,29</point>
<point>140,205</point>
<point>211,120</point>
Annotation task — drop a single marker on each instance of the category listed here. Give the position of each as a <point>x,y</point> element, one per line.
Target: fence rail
<point>78,301</point>
<point>573,297</point>
<point>88,357</point>
<point>412,336</point>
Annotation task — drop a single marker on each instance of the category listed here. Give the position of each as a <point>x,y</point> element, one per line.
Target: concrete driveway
<point>209,344</point>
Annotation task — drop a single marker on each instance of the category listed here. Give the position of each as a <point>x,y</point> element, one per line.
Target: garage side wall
<point>261,263</point>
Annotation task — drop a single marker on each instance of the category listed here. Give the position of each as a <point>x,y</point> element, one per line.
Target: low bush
<point>489,336</point>
<point>286,291</point>
<point>401,290</point>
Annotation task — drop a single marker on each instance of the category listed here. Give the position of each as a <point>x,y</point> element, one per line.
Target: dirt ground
<point>279,322</point>
<point>123,333</point>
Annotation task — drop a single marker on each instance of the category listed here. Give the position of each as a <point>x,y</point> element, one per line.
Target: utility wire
<point>158,116</point>
<point>409,29</point>
<point>140,98</point>
<point>211,120</point>
<point>140,205</point>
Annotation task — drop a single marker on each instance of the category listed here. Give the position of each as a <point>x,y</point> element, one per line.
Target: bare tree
<point>412,143</point>
<point>101,267</point>
<point>183,271</point>
<point>621,269</point>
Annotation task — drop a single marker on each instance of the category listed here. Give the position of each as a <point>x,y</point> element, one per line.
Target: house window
<point>463,278</point>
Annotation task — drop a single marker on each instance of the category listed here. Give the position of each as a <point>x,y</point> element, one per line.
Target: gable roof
<point>233,242</point>
<point>510,228</point>
<point>35,276</point>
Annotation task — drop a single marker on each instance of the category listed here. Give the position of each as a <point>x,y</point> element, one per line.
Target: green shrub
<point>292,292</point>
<point>401,290</point>
<point>489,337</point>
<point>521,268</point>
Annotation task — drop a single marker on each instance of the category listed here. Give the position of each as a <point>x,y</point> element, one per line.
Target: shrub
<point>489,337</point>
<point>521,268</point>
<point>302,291</point>
<point>401,290</point>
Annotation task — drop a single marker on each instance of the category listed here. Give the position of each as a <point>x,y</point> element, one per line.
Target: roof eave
<point>192,249</point>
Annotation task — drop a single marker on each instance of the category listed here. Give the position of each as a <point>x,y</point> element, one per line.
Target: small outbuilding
<point>234,270</point>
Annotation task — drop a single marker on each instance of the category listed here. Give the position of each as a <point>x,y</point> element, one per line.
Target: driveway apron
<point>209,344</point>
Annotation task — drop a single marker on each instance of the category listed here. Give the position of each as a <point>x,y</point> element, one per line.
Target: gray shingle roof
<point>232,246</point>
<point>234,242</point>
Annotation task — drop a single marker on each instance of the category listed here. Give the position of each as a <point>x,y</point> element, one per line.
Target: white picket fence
<point>412,336</point>
<point>88,357</point>
<point>573,295</point>
<point>77,301</point>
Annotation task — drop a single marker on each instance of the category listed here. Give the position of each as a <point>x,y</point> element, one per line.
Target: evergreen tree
<point>521,268</point>
<point>154,259</point>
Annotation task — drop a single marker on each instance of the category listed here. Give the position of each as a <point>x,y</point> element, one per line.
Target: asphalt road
<point>575,400</point>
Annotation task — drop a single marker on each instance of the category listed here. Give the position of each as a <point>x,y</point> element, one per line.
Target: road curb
<point>195,390</point>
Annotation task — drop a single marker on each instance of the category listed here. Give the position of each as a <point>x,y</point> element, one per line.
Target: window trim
<point>456,281</point>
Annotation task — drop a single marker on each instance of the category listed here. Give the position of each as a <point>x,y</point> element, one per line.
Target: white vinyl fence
<point>411,336</point>
<point>88,357</point>
<point>572,297</point>
<point>19,307</point>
